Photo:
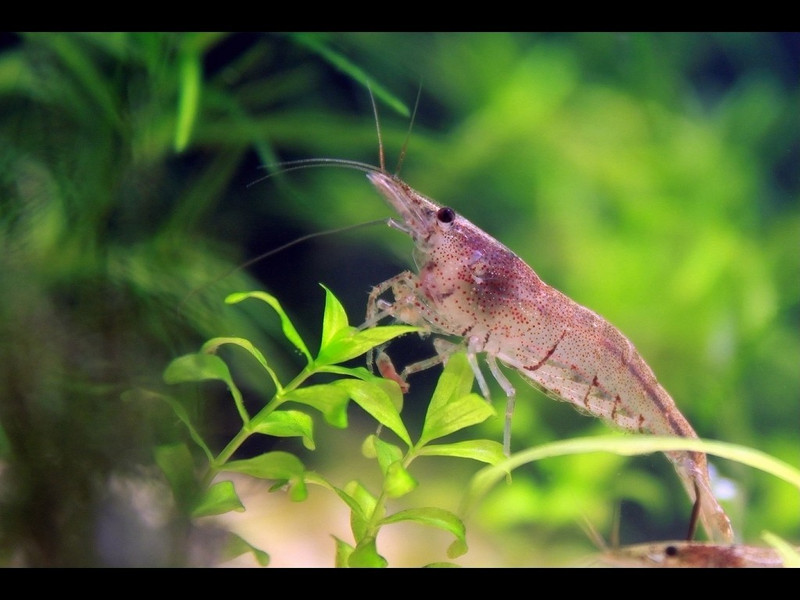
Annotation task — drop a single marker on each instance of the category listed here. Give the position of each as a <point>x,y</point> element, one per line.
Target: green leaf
<point>197,367</point>
<point>211,346</point>
<point>366,555</point>
<point>286,423</point>
<point>218,499</point>
<point>359,502</point>
<point>176,462</point>
<point>373,399</point>
<point>452,407</point>
<point>454,382</point>
<point>190,85</point>
<point>349,342</point>
<point>329,399</point>
<point>435,517</point>
<point>334,319</point>
<point>343,552</point>
<point>357,372</point>
<point>316,42</point>
<point>386,453</point>
<point>280,466</point>
<point>181,413</point>
<point>392,389</point>
<point>357,506</point>
<point>487,451</point>
<point>387,385</point>
<point>455,415</point>
<point>457,548</point>
<point>362,506</point>
<point>236,546</point>
<point>398,481</point>
<point>200,367</point>
<point>286,323</point>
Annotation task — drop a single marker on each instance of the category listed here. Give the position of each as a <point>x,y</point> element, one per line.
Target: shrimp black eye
<point>445,214</point>
<point>671,551</point>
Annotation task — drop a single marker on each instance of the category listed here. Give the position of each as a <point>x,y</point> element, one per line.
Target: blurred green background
<point>650,177</point>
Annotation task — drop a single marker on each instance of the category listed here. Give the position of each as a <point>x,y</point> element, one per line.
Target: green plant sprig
<point>452,408</point>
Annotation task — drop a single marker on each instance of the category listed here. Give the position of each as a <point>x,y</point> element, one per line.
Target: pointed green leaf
<point>487,451</point>
<point>343,552</point>
<point>236,546</point>
<point>368,447</point>
<point>334,319</point>
<point>366,555</point>
<point>356,509</point>
<point>389,386</point>
<point>271,465</point>
<point>366,504</point>
<point>357,372</point>
<point>199,367</point>
<point>196,367</point>
<point>362,496</point>
<point>434,517</point>
<point>329,399</point>
<point>190,86</point>
<point>286,323</point>
<point>350,342</point>
<point>211,347</point>
<point>218,499</point>
<point>373,399</point>
<point>385,452</point>
<point>316,42</point>
<point>281,466</point>
<point>286,423</point>
<point>398,481</point>
<point>457,548</point>
<point>457,414</point>
<point>181,413</point>
<point>392,389</point>
<point>176,462</point>
<point>454,382</point>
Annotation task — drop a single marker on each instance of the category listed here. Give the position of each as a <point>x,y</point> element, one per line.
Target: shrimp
<point>693,554</point>
<point>472,289</point>
<point>481,297</point>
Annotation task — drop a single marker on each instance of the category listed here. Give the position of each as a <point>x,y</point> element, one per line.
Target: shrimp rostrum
<point>470,287</point>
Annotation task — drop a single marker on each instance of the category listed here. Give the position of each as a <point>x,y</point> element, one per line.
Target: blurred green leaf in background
<point>651,177</point>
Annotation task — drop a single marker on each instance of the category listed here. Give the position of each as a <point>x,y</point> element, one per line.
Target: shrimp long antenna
<point>303,238</point>
<point>308,163</point>
<point>381,157</point>
<point>408,133</point>
<point>381,154</point>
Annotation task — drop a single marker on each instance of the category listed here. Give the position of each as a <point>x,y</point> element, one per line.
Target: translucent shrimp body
<point>471,287</point>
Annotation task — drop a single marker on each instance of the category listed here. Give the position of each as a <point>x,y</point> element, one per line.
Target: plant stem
<point>224,456</point>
